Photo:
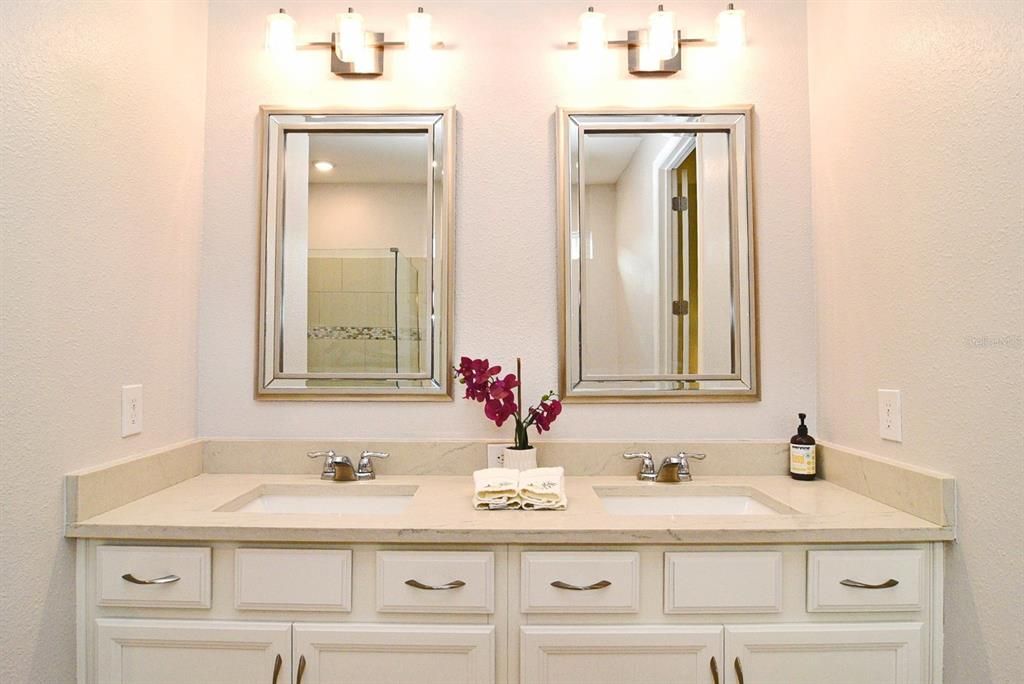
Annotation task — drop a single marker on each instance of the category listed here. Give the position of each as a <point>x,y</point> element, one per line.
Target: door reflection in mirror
<point>658,239</point>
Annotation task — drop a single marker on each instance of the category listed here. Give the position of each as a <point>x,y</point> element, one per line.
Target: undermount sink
<point>333,499</point>
<point>688,499</point>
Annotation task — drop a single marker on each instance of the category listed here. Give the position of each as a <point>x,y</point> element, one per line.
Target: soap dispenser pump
<point>802,457</point>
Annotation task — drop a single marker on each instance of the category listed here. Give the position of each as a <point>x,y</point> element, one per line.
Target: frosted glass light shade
<point>351,36</point>
<point>593,39</point>
<point>732,31</point>
<point>280,39</point>
<point>418,37</point>
<point>662,35</point>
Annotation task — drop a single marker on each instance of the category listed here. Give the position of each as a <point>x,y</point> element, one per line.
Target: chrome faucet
<point>677,468</point>
<point>672,469</point>
<point>340,468</point>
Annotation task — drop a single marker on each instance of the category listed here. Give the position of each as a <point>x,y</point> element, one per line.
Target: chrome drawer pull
<point>887,584</point>
<point>166,579</point>
<point>278,662</point>
<point>454,584</point>
<point>559,584</point>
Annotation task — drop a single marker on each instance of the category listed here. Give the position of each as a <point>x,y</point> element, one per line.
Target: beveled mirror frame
<point>439,124</point>
<point>569,143</point>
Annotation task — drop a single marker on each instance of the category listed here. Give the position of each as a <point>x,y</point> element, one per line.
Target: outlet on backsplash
<point>890,420</point>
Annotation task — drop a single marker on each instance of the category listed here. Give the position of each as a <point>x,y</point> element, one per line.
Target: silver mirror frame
<point>570,390</point>
<point>271,383</point>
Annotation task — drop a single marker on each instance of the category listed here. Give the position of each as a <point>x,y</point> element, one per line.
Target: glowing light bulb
<point>351,36</point>
<point>280,40</point>
<point>662,35</point>
<point>593,39</point>
<point>732,33</point>
<point>418,38</point>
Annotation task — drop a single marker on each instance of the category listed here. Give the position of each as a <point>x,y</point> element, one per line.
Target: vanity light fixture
<point>280,34</point>
<point>654,50</point>
<point>323,166</point>
<point>355,51</point>
<point>593,38</point>
<point>732,34</point>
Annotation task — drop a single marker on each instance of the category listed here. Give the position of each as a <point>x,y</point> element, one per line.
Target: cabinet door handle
<point>454,584</point>
<point>559,584</point>
<point>166,579</point>
<point>278,662</point>
<point>739,670</point>
<point>714,670</point>
<point>302,670</point>
<point>887,584</point>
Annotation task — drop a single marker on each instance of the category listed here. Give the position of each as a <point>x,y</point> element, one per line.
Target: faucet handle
<point>328,456</point>
<point>696,457</point>
<point>647,471</point>
<point>364,468</point>
<point>684,460</point>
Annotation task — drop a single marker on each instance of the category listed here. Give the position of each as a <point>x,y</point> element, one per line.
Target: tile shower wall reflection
<point>362,311</point>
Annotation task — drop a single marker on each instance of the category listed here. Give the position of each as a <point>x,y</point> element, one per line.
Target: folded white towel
<point>496,488</point>
<point>542,489</point>
<point>505,488</point>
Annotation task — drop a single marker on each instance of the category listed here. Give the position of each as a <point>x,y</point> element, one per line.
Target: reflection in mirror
<point>359,294</point>
<point>657,234</point>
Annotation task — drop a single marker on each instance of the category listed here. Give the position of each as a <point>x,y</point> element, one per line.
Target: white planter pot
<point>520,459</point>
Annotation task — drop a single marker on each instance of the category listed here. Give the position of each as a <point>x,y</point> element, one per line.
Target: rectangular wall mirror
<point>657,255</point>
<point>356,272</point>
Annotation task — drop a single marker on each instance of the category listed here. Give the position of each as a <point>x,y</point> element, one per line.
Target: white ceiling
<point>369,157</point>
<point>607,156</point>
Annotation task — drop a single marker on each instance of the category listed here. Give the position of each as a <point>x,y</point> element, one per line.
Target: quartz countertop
<point>441,511</point>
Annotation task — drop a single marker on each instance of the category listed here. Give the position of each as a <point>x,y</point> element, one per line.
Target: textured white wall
<point>918,156</point>
<point>100,206</point>
<point>506,74</point>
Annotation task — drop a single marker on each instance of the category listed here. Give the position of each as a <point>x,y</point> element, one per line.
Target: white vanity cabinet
<point>617,654</point>
<point>390,654</point>
<point>141,651</point>
<point>850,653</point>
<point>509,614</point>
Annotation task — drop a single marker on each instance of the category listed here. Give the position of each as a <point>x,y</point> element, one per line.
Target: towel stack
<point>532,490</point>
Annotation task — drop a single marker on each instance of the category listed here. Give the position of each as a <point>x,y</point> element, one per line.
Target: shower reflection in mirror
<point>359,284</point>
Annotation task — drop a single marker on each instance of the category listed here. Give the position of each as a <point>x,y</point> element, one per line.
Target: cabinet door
<point>194,651</point>
<point>353,653</point>
<point>858,653</point>
<point>620,654</point>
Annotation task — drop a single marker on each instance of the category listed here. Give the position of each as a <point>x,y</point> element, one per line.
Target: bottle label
<point>802,459</point>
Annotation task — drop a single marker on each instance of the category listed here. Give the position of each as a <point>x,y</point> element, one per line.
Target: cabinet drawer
<point>153,576</point>
<point>580,582</point>
<point>293,579</point>
<point>723,582</point>
<point>870,580</point>
<point>435,581</point>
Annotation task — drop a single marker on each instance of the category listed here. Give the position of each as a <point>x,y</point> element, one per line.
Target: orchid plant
<point>502,398</point>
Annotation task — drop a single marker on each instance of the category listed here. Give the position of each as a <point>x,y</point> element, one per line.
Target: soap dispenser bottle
<point>802,456</point>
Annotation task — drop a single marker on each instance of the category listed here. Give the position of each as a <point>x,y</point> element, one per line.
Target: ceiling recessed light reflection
<point>323,166</point>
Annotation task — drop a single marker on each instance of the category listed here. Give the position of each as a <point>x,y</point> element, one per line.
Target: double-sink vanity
<point>189,562</point>
<point>245,562</point>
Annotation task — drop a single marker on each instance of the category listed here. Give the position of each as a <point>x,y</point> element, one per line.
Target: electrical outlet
<point>496,455</point>
<point>131,410</point>
<point>890,418</point>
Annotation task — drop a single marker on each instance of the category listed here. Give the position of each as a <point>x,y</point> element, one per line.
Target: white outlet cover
<point>890,415</point>
<point>131,410</point>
